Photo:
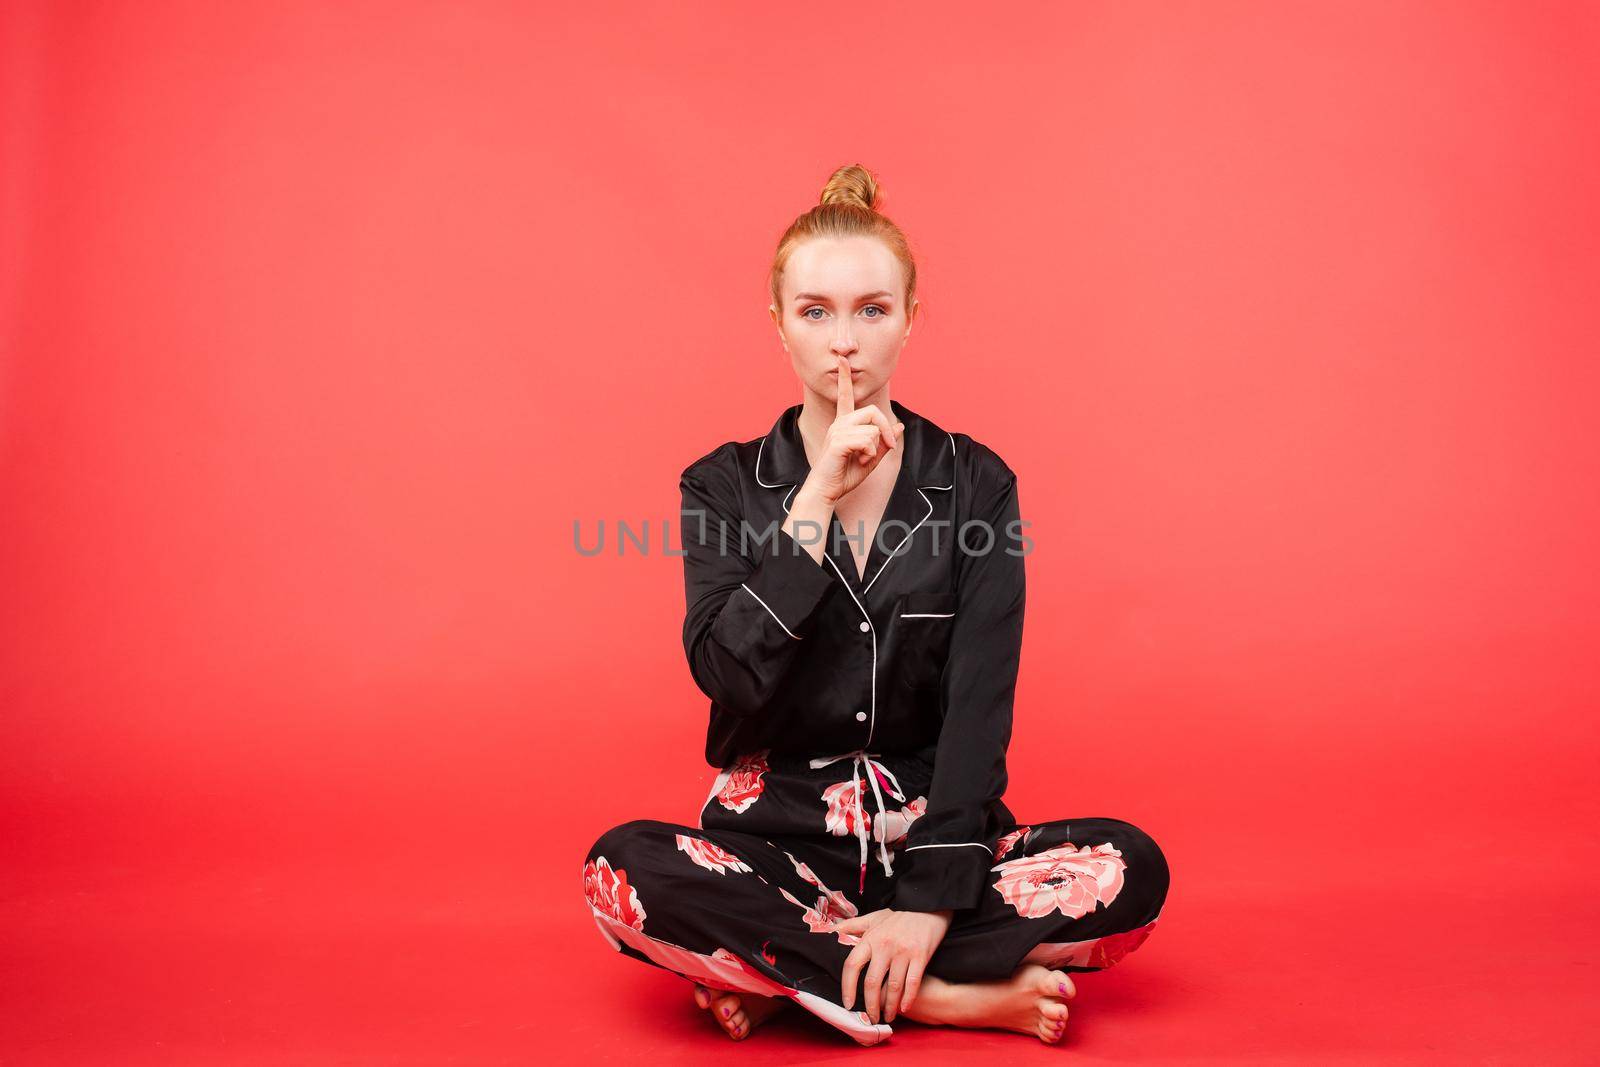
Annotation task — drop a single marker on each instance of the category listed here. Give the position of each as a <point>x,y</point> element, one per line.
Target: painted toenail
<point>727,1012</point>
<point>1061,986</point>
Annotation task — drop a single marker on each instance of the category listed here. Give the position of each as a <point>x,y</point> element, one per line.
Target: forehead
<point>841,267</point>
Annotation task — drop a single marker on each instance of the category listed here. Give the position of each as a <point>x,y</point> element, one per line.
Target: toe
<point>1060,985</point>
<point>725,1006</point>
<point>1054,1012</point>
<point>702,996</point>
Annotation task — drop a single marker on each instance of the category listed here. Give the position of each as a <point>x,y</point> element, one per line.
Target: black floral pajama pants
<point>755,910</point>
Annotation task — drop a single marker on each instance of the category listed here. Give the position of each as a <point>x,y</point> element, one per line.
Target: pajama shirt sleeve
<point>950,849</point>
<point>751,596</point>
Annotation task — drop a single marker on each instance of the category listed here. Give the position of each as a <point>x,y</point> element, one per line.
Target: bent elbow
<point>728,682</point>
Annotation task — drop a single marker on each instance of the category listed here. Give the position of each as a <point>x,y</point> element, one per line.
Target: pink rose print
<point>1097,952</point>
<point>710,856</point>
<point>1067,879</point>
<point>844,809</point>
<point>1007,841</point>
<point>825,914</point>
<point>610,894</point>
<point>1111,948</point>
<point>837,903</point>
<point>896,824</point>
<point>744,782</point>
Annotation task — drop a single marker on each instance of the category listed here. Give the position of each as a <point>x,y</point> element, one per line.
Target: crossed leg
<point>750,922</point>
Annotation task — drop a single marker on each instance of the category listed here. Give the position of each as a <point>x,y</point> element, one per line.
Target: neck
<point>818,412</point>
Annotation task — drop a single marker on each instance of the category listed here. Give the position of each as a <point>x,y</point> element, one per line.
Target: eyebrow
<point>824,299</point>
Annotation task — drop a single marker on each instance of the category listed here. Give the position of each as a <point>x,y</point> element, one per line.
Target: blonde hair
<point>847,208</point>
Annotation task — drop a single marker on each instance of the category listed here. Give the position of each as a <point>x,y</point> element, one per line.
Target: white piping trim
<point>926,615</point>
<point>952,437</point>
<point>958,844</point>
<point>761,449</point>
<point>871,629</point>
<point>775,485</point>
<point>774,614</point>
<point>903,541</point>
<point>872,722</point>
<point>907,538</point>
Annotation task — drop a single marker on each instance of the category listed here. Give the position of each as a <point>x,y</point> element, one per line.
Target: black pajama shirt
<point>860,725</point>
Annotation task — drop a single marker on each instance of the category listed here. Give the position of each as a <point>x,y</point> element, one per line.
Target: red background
<point>323,326</point>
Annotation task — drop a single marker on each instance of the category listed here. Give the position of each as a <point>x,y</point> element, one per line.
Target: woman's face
<point>843,296</point>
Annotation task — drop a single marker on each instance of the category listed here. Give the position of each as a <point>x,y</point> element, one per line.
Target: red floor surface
<point>1473,942</point>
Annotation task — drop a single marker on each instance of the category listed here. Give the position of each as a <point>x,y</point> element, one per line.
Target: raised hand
<point>856,443</point>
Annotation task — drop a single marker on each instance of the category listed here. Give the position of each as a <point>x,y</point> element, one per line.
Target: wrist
<point>946,913</point>
<point>811,492</point>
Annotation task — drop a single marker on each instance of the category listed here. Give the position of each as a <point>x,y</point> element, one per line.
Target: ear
<point>777,320</point>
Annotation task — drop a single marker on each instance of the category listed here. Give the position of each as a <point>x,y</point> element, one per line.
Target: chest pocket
<point>923,623</point>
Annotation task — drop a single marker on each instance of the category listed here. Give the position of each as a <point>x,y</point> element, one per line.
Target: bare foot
<point>1031,1001</point>
<point>737,1013</point>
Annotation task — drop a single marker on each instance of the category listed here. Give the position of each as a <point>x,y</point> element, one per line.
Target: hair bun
<point>851,184</point>
<point>848,208</point>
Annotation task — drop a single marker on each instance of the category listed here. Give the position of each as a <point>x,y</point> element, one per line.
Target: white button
<point>865,626</point>
<point>861,716</point>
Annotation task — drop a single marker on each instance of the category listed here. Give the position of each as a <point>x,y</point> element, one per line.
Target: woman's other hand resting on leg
<point>895,947</point>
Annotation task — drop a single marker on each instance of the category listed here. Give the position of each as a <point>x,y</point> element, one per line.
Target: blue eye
<point>806,314</point>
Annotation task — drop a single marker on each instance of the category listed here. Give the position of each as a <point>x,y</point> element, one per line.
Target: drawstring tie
<point>875,772</point>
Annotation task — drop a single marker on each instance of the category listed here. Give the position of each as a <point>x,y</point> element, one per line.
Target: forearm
<point>747,611</point>
<point>809,518</point>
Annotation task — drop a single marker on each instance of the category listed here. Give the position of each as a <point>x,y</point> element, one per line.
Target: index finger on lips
<point>847,389</point>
